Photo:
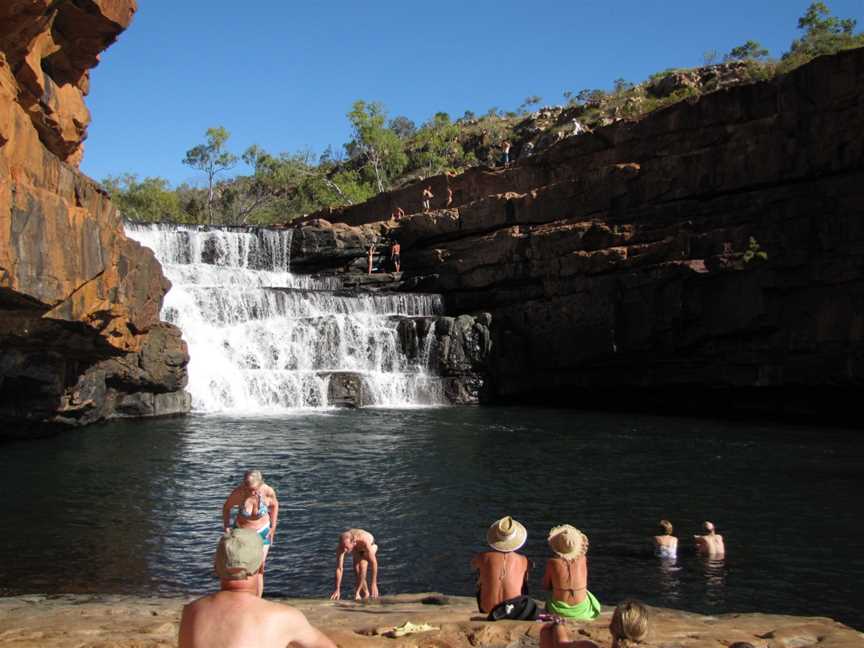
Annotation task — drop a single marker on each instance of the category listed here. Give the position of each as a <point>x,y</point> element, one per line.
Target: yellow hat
<point>568,541</point>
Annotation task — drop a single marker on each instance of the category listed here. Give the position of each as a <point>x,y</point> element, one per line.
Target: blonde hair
<point>666,525</point>
<point>629,625</point>
<point>255,475</point>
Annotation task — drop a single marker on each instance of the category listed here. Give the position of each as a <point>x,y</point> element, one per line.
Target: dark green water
<point>135,507</point>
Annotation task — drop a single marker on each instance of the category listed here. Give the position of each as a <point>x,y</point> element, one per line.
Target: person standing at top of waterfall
<point>505,153</point>
<point>396,255</point>
<point>364,553</point>
<point>257,509</point>
<point>370,255</point>
<point>427,198</point>
<point>578,128</point>
<point>711,544</point>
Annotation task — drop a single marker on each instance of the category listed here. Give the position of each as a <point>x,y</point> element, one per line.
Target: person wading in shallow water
<point>235,617</point>
<point>665,544</point>
<point>257,509</point>
<point>710,544</point>
<point>364,553</point>
<point>503,573</point>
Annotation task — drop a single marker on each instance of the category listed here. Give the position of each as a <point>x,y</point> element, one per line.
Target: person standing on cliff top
<point>505,153</point>
<point>257,509</point>
<point>364,553</point>
<point>427,198</point>
<point>711,544</point>
<point>503,573</point>
<point>235,616</point>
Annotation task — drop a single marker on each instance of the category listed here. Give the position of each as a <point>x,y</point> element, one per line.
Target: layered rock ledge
<point>127,622</point>
<point>707,257</point>
<point>80,334</point>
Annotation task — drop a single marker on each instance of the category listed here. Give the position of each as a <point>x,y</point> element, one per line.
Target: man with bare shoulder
<point>710,544</point>
<point>364,553</point>
<point>503,573</point>
<point>235,617</point>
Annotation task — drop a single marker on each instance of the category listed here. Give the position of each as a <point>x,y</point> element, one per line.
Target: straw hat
<point>568,541</point>
<point>506,535</point>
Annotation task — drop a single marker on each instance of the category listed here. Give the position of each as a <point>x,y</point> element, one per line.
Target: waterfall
<point>263,340</point>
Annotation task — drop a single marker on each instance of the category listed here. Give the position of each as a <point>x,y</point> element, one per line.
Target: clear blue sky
<point>283,73</point>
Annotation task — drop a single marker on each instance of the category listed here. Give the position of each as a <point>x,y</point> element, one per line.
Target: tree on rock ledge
<point>212,159</point>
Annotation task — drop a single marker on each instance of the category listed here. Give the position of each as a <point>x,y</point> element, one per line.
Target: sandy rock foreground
<point>134,622</point>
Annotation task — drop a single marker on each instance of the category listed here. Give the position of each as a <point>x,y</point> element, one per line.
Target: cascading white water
<point>262,339</point>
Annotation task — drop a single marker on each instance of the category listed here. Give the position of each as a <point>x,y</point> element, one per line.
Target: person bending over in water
<point>503,573</point>
<point>235,617</point>
<point>665,544</point>
<point>567,575</point>
<point>364,552</point>
<point>629,628</point>
<point>257,509</point>
<point>710,544</point>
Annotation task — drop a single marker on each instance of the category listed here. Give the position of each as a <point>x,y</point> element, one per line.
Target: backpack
<point>520,608</point>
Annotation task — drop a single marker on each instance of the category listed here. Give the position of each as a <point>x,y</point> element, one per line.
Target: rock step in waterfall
<point>262,339</point>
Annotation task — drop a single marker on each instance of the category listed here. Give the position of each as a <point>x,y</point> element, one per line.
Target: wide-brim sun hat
<point>567,541</point>
<point>506,534</point>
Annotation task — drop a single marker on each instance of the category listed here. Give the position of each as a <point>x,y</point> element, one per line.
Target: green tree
<point>436,146</point>
<point>212,158</point>
<point>403,127</point>
<point>749,51</point>
<point>823,34</point>
<point>378,147</point>
<point>148,200</point>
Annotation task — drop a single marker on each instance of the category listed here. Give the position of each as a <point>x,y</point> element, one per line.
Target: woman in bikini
<point>257,509</point>
<point>567,575</point>
<point>665,544</point>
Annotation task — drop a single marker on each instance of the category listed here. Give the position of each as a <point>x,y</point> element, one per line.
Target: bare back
<point>711,545</point>
<point>502,576</point>
<point>239,620</point>
<point>568,579</point>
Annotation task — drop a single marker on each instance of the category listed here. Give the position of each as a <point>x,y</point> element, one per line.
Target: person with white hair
<point>711,543</point>
<point>364,552</point>
<point>257,509</point>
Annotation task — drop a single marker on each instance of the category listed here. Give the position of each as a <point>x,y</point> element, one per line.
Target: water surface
<point>135,507</point>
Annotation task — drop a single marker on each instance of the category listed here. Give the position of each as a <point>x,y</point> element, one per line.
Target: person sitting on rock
<point>364,553</point>
<point>566,575</point>
<point>503,573</point>
<point>235,616</point>
<point>629,627</point>
<point>427,198</point>
<point>398,214</point>
<point>665,544</point>
<point>711,544</point>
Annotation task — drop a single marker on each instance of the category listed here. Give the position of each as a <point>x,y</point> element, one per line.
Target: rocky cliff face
<point>80,336</point>
<point>708,256</point>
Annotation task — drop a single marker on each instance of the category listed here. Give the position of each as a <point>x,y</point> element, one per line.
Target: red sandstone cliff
<point>618,265</point>
<point>80,336</point>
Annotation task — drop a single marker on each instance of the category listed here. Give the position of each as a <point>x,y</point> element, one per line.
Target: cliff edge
<point>80,335</point>
<point>706,257</point>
